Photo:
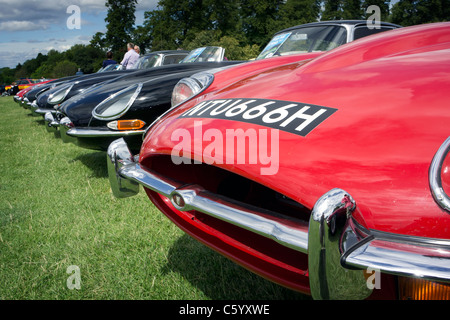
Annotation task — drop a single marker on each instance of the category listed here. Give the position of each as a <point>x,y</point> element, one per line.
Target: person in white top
<point>130,58</point>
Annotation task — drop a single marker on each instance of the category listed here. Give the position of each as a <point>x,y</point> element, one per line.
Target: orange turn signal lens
<point>419,289</point>
<point>126,124</point>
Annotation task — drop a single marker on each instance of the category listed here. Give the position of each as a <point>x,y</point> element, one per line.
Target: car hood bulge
<point>367,118</point>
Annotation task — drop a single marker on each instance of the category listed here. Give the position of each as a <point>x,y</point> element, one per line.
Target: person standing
<point>109,60</point>
<point>137,49</point>
<point>130,58</point>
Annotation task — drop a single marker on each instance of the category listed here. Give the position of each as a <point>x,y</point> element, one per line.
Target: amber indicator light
<point>419,289</point>
<point>130,124</point>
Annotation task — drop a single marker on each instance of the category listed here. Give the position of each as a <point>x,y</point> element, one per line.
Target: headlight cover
<point>439,176</point>
<point>117,104</point>
<point>187,88</point>
<point>59,95</point>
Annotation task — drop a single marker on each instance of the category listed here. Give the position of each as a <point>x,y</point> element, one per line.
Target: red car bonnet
<point>388,95</point>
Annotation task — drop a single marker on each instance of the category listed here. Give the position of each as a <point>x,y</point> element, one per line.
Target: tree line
<point>242,27</point>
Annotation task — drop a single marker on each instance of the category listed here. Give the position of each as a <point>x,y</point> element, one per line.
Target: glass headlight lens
<point>189,87</point>
<point>59,95</point>
<point>117,104</point>
<point>439,175</point>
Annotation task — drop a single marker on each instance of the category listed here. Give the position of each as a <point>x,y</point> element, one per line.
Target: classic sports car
<point>330,177</point>
<point>320,36</point>
<point>124,107</point>
<point>57,95</point>
<point>20,96</point>
<point>21,84</point>
<point>141,100</point>
<point>30,96</point>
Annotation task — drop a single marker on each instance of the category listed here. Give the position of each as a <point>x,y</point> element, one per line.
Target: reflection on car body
<point>358,207</point>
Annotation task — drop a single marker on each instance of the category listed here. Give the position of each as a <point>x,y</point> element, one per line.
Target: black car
<point>125,107</point>
<point>40,88</point>
<point>46,101</point>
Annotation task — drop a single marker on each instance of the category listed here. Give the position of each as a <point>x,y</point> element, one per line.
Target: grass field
<point>57,211</point>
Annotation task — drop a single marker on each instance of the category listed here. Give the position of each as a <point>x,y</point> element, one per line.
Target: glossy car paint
<point>80,83</point>
<point>83,82</point>
<point>391,94</point>
<point>33,93</point>
<point>153,100</point>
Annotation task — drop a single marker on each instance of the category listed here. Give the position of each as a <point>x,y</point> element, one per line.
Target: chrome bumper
<point>100,133</point>
<point>37,111</point>
<point>51,124</point>
<point>339,249</point>
<point>91,137</point>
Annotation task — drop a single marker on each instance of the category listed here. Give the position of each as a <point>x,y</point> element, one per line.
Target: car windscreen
<point>148,61</point>
<point>203,55</point>
<point>302,40</point>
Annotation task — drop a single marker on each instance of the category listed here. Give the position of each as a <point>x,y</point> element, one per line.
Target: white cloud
<point>18,52</point>
<point>29,27</point>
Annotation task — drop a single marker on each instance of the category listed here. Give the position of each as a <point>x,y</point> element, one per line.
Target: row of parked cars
<point>322,165</point>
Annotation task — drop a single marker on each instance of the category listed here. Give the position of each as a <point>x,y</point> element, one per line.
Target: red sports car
<point>19,96</point>
<point>329,176</point>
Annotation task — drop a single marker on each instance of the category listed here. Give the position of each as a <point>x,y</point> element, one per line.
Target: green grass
<point>57,210</point>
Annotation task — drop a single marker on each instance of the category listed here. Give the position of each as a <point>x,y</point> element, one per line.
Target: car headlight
<point>117,104</point>
<point>439,175</point>
<point>188,87</point>
<point>59,95</point>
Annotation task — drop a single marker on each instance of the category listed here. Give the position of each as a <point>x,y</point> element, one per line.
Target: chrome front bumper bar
<point>100,133</point>
<point>338,248</point>
<point>69,133</point>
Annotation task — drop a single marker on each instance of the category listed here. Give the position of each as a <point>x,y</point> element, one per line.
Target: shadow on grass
<point>96,162</point>
<point>57,134</point>
<point>39,121</point>
<point>218,277</point>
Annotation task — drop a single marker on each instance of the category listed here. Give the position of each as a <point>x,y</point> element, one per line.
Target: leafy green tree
<point>223,16</point>
<point>295,12</point>
<point>6,75</point>
<point>64,68</point>
<point>332,10</point>
<point>382,4</point>
<point>260,19</point>
<point>98,41</point>
<point>351,10</point>
<point>159,31</point>
<point>412,12</point>
<point>234,49</point>
<point>86,57</point>
<point>119,23</point>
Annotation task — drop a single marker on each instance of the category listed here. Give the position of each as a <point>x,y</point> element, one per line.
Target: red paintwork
<point>23,91</point>
<point>31,86</point>
<point>392,94</point>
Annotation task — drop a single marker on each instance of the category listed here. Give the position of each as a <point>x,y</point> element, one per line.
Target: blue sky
<point>28,27</point>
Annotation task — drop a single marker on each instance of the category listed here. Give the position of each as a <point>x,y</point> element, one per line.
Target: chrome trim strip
<point>434,176</point>
<point>43,111</point>
<point>403,260</point>
<point>332,230</point>
<point>98,133</point>
<point>198,199</point>
<point>113,96</point>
